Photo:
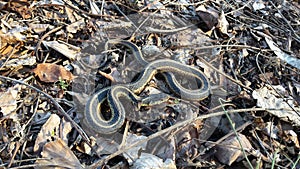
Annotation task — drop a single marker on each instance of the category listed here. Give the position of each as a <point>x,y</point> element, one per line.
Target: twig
<point>246,4</point>
<point>220,46</point>
<point>37,48</point>
<point>17,146</point>
<point>138,28</point>
<point>185,3</point>
<point>296,162</point>
<point>134,10</point>
<point>261,144</point>
<point>242,127</point>
<point>154,30</point>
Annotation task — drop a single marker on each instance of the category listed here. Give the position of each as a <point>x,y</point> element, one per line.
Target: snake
<point>93,115</point>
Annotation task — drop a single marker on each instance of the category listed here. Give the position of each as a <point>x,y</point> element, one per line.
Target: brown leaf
<point>49,130</point>
<point>53,128</point>
<point>209,16</point>
<point>8,102</point>
<point>229,150</point>
<point>57,154</point>
<point>49,72</point>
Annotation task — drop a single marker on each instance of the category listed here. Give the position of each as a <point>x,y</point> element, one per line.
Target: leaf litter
<point>249,50</point>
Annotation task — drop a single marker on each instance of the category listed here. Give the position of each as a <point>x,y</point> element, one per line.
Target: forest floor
<point>55,58</point>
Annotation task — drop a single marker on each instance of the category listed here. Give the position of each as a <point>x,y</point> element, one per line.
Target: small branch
<point>37,48</point>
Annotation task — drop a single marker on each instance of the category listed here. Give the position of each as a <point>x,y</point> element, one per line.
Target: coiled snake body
<point>99,124</point>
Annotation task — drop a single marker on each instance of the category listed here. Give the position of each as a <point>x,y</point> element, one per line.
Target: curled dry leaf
<point>187,140</point>
<point>292,137</point>
<point>57,154</point>
<point>49,72</point>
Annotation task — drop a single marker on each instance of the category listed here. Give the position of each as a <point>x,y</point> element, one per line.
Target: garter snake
<point>93,114</point>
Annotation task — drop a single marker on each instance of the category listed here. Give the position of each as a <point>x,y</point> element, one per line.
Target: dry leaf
<point>8,102</point>
<point>266,76</point>
<point>70,12</point>
<point>20,7</point>
<point>66,129</point>
<point>67,50</point>
<point>49,72</point>
<point>295,62</point>
<point>57,154</point>
<point>223,23</point>
<point>50,129</point>
<point>292,137</point>
<point>258,5</point>
<point>152,161</point>
<point>39,28</point>
<point>209,16</point>
<point>20,61</point>
<point>268,98</point>
<point>271,130</point>
<point>133,154</point>
<point>84,148</point>
<point>229,150</point>
<point>13,36</point>
<point>76,26</point>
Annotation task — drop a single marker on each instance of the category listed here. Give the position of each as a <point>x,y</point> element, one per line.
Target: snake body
<point>93,114</point>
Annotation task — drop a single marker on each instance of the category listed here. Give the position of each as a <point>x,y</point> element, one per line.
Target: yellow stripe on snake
<point>99,124</point>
